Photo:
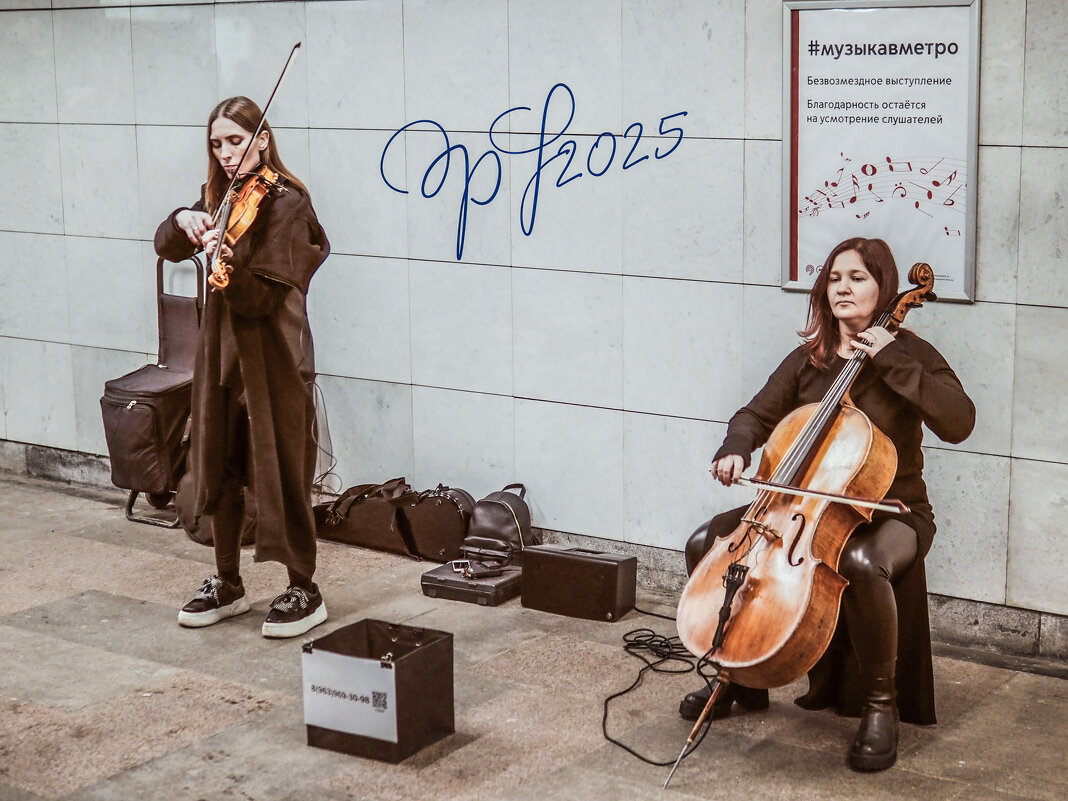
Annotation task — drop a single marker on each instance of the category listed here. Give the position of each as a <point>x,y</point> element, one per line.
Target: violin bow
<point>220,221</point>
<point>885,505</point>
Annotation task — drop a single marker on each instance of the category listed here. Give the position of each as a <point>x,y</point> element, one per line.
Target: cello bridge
<point>763,528</point>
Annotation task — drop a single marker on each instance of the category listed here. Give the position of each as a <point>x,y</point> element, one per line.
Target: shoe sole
<point>691,710</point>
<point>197,620</point>
<point>296,627</point>
<point>867,764</point>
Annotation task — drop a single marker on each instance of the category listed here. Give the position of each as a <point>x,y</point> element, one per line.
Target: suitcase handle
<point>200,280</point>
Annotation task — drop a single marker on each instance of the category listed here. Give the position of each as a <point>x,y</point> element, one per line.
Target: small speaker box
<point>578,583</point>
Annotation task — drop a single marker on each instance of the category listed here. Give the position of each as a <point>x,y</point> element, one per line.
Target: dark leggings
<point>226,526</point>
<point>228,522</point>
<point>229,517</point>
<point>874,557</point>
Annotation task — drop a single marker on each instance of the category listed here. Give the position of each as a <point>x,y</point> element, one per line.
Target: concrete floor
<point>104,696</point>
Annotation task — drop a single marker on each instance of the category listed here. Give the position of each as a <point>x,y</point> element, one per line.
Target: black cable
<point>651,614</point>
<point>640,643</point>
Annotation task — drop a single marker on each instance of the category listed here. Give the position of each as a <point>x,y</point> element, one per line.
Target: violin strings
<point>802,445</point>
<point>794,457</point>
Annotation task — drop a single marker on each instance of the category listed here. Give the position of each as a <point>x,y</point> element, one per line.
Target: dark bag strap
<point>389,491</point>
<point>522,489</point>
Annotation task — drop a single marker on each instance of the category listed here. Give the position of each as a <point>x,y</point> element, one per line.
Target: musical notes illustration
<point>948,180</point>
<point>923,189</point>
<point>926,170</point>
<point>925,183</point>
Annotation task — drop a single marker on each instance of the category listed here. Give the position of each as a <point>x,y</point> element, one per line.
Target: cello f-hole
<point>797,539</point>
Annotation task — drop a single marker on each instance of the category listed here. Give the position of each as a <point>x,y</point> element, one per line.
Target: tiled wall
<point>596,359</point>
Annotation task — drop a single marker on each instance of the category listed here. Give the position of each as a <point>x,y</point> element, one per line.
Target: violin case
<point>393,517</point>
<point>145,412</point>
<point>435,522</point>
<point>578,582</point>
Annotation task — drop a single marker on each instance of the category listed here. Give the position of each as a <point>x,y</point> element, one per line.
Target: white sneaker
<point>215,600</point>
<point>294,612</point>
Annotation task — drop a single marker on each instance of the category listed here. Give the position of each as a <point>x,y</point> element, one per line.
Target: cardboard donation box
<point>379,690</point>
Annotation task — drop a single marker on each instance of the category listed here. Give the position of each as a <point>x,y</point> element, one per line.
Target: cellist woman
<point>879,662</point>
<point>252,435</point>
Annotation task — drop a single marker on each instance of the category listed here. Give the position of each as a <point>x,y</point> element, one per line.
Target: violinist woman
<point>879,662</point>
<point>253,416</point>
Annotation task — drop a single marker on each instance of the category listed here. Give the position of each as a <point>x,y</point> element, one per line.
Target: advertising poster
<point>880,139</point>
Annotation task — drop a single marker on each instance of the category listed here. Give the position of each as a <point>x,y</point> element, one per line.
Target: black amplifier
<point>578,582</point>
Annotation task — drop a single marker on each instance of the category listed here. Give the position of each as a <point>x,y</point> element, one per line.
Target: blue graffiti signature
<point>599,159</point>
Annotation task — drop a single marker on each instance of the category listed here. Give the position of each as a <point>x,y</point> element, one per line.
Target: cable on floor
<point>661,655</point>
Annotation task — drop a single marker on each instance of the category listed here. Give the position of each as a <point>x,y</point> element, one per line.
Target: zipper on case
<point>518,527</point>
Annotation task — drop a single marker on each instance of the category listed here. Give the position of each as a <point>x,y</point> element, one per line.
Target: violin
<point>238,210</point>
<point>235,216</point>
<point>763,603</point>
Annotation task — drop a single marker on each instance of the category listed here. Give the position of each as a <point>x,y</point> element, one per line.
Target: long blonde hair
<point>245,113</point>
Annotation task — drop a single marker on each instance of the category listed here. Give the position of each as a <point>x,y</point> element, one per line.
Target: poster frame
<point>790,279</point>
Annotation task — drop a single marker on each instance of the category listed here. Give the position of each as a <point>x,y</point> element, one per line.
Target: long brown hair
<point>245,113</point>
<point>821,334</point>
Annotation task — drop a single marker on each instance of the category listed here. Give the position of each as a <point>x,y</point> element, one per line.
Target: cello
<point>763,603</point>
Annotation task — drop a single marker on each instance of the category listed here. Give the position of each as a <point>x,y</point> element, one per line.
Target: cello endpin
<point>676,765</point>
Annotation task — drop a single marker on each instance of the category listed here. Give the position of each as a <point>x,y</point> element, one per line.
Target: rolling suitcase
<point>145,412</point>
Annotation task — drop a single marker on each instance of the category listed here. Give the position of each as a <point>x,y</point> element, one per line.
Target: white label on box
<point>350,694</point>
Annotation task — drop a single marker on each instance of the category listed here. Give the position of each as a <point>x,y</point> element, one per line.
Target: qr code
<point>378,701</point>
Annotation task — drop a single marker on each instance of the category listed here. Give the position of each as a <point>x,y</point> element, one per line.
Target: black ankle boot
<point>694,703</point>
<point>875,747</point>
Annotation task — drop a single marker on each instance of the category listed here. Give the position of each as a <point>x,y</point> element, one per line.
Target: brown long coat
<point>255,350</point>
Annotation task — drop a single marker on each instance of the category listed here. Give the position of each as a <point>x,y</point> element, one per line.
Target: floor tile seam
<point>259,603</point>
<point>57,635</point>
<point>121,550</point>
<point>318,771</point>
<point>164,676</point>
<point>133,765</point>
<point>640,789</point>
<point>112,497</point>
<point>31,625</point>
<point>991,699</point>
<point>965,788</point>
<point>200,555</point>
<point>73,519</point>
